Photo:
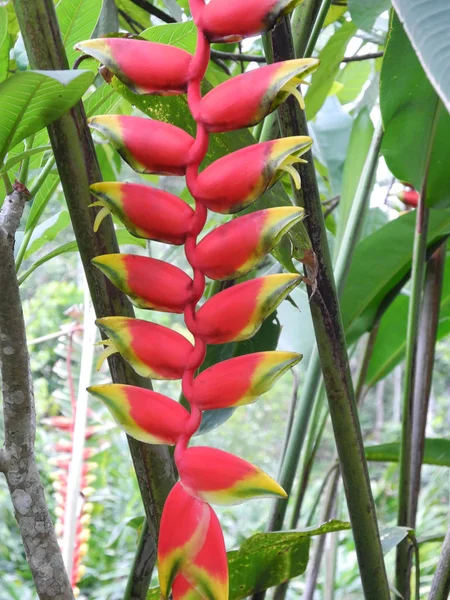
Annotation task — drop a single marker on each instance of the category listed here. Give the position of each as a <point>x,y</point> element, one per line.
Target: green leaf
<point>365,12</point>
<point>353,77</point>
<point>389,348</point>
<point>108,21</point>
<point>437,452</point>
<point>424,20</point>
<point>47,231</point>
<point>330,58</point>
<point>32,100</point>
<point>360,139</point>
<point>4,44</point>
<point>14,160</point>
<point>392,536</point>
<point>268,559</point>
<point>417,126</point>
<point>77,20</point>
<point>380,263</point>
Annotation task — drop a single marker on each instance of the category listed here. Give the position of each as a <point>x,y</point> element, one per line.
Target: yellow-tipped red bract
<point>148,146</point>
<point>238,312</point>
<point>238,179</point>
<point>150,283</point>
<point>184,526</point>
<point>143,414</point>
<point>145,211</point>
<point>206,576</point>
<point>235,248</point>
<point>152,350</point>
<point>234,20</point>
<point>245,100</point>
<point>241,380</point>
<point>145,67</point>
<point>231,481</point>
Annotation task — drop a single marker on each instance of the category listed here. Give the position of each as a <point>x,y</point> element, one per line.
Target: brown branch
<point>359,57</point>
<point>17,459</point>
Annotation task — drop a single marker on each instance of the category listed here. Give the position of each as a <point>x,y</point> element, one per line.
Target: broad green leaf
<point>77,20</point>
<point>417,125</point>
<point>437,452</point>
<point>426,20</point>
<point>47,231</point>
<point>331,131</point>
<point>4,43</point>
<point>32,100</point>
<point>380,263</point>
<point>108,21</point>
<point>330,58</point>
<point>365,12</point>
<point>353,77</point>
<point>268,559</point>
<point>334,13</point>
<point>389,348</point>
<point>391,537</point>
<point>360,139</point>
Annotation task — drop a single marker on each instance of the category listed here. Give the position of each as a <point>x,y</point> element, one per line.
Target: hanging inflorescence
<point>191,551</point>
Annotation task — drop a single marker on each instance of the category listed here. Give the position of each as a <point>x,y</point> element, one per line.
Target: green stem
<point>78,168</point>
<point>324,306</point>
<point>403,552</point>
<point>426,346</point>
<point>25,156</point>
<point>440,586</point>
<point>325,7</point>
<point>302,23</point>
<point>140,576</point>
<point>7,183</point>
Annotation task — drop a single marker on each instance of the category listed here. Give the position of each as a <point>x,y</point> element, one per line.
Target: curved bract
<point>192,560</point>
<point>166,67</point>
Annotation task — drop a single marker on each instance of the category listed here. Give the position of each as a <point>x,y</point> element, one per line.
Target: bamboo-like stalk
<point>426,345</point>
<point>78,167</point>
<point>440,586</point>
<point>302,23</point>
<point>330,339</point>
<point>403,552</point>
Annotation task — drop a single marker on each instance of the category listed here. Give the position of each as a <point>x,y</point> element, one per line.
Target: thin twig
<point>359,57</point>
<point>153,10</point>
<point>21,471</point>
<point>440,586</point>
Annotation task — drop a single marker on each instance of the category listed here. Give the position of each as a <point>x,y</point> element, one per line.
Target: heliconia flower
<point>221,478</point>
<point>152,350</point>
<point>235,248</point>
<point>63,423</point>
<point>240,380</point>
<point>145,67</point>
<point>143,414</point>
<point>409,197</point>
<point>207,575</point>
<point>145,211</point>
<point>234,20</point>
<point>150,283</point>
<point>245,100</point>
<point>227,187</point>
<point>237,313</point>
<point>147,145</point>
<point>184,526</point>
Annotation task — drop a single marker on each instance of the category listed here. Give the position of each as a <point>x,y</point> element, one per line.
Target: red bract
<point>152,350</point>
<point>145,67</point>
<point>192,561</point>
<point>145,211</point>
<point>150,283</point>
<point>147,146</point>
<point>237,313</point>
<point>234,20</point>
<point>235,181</point>
<point>251,238</point>
<point>245,100</point>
